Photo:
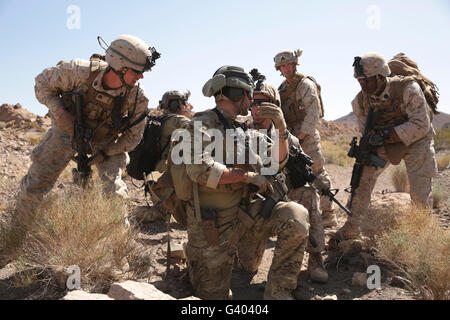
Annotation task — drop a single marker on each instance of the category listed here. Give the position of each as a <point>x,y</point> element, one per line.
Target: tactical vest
<point>105,114</point>
<point>391,114</point>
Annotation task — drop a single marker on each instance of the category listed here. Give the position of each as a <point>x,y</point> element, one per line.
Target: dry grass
<point>399,178</point>
<point>419,248</point>
<point>83,228</point>
<point>442,139</point>
<point>439,196</point>
<point>443,162</point>
<point>35,141</point>
<point>335,152</point>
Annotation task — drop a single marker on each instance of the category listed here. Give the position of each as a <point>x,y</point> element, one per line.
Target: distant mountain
<point>440,120</point>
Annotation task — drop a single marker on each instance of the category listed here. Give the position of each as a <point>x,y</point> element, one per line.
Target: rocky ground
<point>16,143</point>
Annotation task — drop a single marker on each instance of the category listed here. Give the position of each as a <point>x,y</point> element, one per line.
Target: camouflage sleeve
<point>131,137</point>
<point>416,107</point>
<point>203,169</point>
<point>359,113</point>
<point>65,76</point>
<point>307,92</point>
<point>293,141</point>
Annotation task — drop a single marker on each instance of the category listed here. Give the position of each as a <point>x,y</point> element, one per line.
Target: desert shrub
<point>35,141</point>
<point>335,152</point>
<point>36,126</point>
<point>82,228</point>
<point>443,162</point>
<point>399,177</point>
<point>438,196</point>
<point>442,139</point>
<point>419,248</point>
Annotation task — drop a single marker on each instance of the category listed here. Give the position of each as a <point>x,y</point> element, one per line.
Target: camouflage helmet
<point>370,64</point>
<point>130,52</point>
<point>228,76</point>
<point>173,95</point>
<point>287,56</point>
<point>270,91</point>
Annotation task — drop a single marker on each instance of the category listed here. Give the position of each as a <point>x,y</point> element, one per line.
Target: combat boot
<point>329,219</point>
<point>275,292</point>
<point>316,269</point>
<point>350,230</point>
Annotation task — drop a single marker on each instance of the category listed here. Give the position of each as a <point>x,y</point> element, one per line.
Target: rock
<point>132,290</point>
<point>176,251</point>
<point>359,279</point>
<point>351,246</point>
<point>383,210</point>
<point>347,291</point>
<point>190,298</point>
<point>82,295</point>
<point>333,297</point>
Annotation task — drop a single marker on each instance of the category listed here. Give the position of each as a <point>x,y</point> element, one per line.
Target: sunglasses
<point>258,102</point>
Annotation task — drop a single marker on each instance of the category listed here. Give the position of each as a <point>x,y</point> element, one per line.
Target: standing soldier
<point>113,107</point>
<point>220,213</point>
<point>302,107</point>
<point>306,196</point>
<point>404,127</point>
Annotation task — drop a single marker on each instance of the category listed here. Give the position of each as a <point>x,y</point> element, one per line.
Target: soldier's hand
<point>271,111</point>
<point>97,158</point>
<point>392,137</point>
<point>260,181</point>
<point>64,120</point>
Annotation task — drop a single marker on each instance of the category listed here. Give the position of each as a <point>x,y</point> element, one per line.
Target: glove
<point>97,158</point>
<point>393,136</point>
<point>271,111</point>
<point>64,120</point>
<point>260,181</point>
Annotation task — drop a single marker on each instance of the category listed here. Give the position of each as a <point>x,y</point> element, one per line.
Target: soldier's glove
<point>97,158</point>
<point>260,181</point>
<point>65,121</point>
<point>393,136</point>
<point>269,110</point>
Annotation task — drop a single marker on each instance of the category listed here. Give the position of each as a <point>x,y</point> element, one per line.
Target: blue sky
<point>195,38</point>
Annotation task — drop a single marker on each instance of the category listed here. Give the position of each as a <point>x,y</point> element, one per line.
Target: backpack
<point>144,158</point>
<point>402,65</point>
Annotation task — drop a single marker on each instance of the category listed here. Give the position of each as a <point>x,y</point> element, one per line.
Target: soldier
<point>174,104</point>
<point>306,196</point>
<point>220,214</point>
<point>302,108</point>
<point>112,102</point>
<point>177,111</point>
<point>405,126</point>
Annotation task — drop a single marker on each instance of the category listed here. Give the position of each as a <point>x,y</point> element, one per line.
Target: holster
<point>210,230</point>
<point>395,152</point>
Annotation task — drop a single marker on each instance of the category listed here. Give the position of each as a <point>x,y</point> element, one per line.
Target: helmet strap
<point>121,75</point>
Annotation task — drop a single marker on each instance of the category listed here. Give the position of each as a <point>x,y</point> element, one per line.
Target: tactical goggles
<point>258,102</point>
<point>359,70</point>
<point>236,94</point>
<point>280,58</point>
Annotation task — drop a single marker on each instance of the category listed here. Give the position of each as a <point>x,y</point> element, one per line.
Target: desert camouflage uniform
<point>239,225</point>
<point>54,153</point>
<point>416,134</point>
<point>306,96</point>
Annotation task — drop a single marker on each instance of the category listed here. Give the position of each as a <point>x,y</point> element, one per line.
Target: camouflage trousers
<point>421,167</point>
<point>311,146</point>
<point>49,159</point>
<point>308,197</point>
<point>245,235</point>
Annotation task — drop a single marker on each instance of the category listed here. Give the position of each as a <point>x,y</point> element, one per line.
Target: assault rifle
<point>300,173</point>
<point>364,153</point>
<point>81,143</point>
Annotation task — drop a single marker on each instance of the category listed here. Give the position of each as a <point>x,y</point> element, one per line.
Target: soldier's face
<point>131,77</point>
<point>368,85</point>
<point>288,70</point>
